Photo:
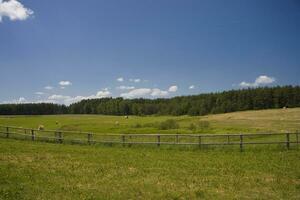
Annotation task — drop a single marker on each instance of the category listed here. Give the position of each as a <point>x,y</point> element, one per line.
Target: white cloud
<point>16,101</point>
<point>39,93</point>
<point>173,88</point>
<point>144,92</point>
<point>123,87</point>
<point>100,94</point>
<point>14,10</point>
<point>65,83</point>
<point>103,94</point>
<point>245,84</point>
<point>62,99</point>
<point>48,87</point>
<point>159,93</point>
<point>62,88</point>
<point>75,99</point>
<point>259,81</point>
<point>136,93</point>
<point>264,80</point>
<point>58,97</point>
<point>137,80</point>
<point>121,79</point>
<point>192,87</point>
<point>21,100</point>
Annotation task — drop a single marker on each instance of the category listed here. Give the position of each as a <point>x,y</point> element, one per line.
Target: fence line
<point>200,140</point>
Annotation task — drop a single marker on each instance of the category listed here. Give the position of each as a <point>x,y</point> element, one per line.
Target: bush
<point>203,125</point>
<point>192,127</point>
<point>150,125</point>
<point>137,125</point>
<point>168,124</point>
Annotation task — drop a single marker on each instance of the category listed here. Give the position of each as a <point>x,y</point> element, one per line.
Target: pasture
<point>37,170</point>
<point>263,121</point>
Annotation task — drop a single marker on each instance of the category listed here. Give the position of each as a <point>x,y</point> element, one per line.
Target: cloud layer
<point>144,92</point>
<point>137,80</point>
<point>124,87</point>
<point>121,79</point>
<point>62,99</point>
<point>48,87</point>
<point>65,83</point>
<point>192,87</point>
<point>173,88</point>
<point>159,93</point>
<point>14,10</point>
<point>259,81</point>
<point>136,93</point>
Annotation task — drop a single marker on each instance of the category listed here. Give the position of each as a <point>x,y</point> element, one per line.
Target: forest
<point>202,104</point>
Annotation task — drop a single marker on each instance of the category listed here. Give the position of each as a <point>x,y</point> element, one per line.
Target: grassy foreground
<point>35,170</point>
<point>275,120</point>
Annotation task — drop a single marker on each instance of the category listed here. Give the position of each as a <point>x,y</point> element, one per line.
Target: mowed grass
<point>270,121</point>
<point>36,170</point>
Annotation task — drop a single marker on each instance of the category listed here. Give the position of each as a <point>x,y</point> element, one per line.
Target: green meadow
<point>270,121</point>
<point>40,170</point>
<point>36,170</point>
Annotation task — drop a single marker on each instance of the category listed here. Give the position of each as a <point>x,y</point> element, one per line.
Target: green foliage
<point>203,125</point>
<point>203,104</point>
<point>168,124</point>
<point>137,125</point>
<point>33,109</point>
<point>192,127</point>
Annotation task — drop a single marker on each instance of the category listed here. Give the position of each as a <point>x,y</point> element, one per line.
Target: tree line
<point>33,109</point>
<point>202,104</point>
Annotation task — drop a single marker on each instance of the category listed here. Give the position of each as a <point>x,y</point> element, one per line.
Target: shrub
<point>168,124</point>
<point>203,125</point>
<point>192,127</point>
<point>137,125</point>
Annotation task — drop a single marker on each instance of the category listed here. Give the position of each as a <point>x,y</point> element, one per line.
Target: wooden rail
<point>200,140</point>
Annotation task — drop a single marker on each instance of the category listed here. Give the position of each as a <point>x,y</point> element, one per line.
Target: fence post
<point>241,142</point>
<point>297,137</point>
<point>200,141</point>
<point>32,135</point>
<point>288,140</point>
<point>123,140</point>
<point>177,139</point>
<point>158,140</point>
<point>7,132</point>
<point>90,138</point>
<point>228,141</point>
<point>60,137</point>
<point>130,137</point>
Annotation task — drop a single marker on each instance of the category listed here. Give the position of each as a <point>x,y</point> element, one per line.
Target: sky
<point>65,51</point>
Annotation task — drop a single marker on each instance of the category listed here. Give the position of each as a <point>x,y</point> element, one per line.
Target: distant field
<point>276,120</point>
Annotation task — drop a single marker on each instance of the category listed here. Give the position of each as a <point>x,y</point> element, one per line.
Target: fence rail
<point>200,140</point>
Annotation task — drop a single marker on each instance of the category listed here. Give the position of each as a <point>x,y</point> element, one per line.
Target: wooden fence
<point>200,140</point>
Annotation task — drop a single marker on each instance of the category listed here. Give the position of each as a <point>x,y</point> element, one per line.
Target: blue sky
<point>143,48</point>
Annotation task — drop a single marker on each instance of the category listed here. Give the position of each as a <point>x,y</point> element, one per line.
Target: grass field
<point>38,170</point>
<point>277,120</point>
<point>31,170</point>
